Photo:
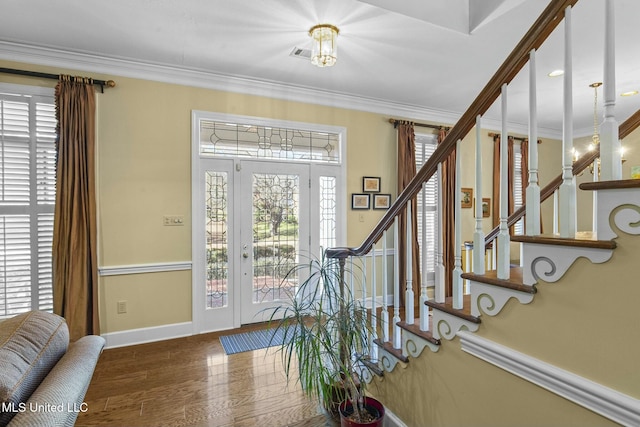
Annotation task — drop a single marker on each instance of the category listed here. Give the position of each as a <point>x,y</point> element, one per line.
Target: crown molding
<point>85,62</point>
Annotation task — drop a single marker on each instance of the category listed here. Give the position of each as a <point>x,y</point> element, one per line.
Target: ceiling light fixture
<point>556,73</point>
<point>324,51</point>
<point>630,93</point>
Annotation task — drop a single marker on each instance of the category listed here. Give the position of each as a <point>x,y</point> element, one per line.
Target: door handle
<point>245,255</point>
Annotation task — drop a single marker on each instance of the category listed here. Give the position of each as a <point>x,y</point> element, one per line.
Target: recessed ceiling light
<point>630,93</point>
<point>556,73</point>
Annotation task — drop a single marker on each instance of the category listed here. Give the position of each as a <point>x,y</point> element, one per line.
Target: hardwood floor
<point>192,382</point>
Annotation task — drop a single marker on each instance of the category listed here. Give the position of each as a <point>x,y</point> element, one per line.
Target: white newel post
<point>385,312</point>
<point>439,273</point>
<point>610,156</point>
<point>532,221</point>
<point>397,333</point>
<point>567,222</point>
<point>408,301</point>
<point>457,285</point>
<point>504,251</point>
<point>478,235</point>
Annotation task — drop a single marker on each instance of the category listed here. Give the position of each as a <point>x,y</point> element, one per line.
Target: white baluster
<point>397,332</point>
<point>503,240</point>
<point>478,235</point>
<point>439,273</point>
<point>385,312</point>
<point>532,225</point>
<point>567,189</point>
<point>610,156</point>
<point>374,294</point>
<point>424,309</point>
<point>556,203</point>
<point>408,300</point>
<point>457,263</point>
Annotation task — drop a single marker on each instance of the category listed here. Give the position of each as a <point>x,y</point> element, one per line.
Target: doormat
<point>254,340</point>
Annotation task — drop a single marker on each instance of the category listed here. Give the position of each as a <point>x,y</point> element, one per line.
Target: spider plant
<point>326,334</point>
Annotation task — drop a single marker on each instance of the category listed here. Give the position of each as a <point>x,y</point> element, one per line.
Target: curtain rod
<point>101,83</point>
<point>517,138</point>
<point>396,122</point>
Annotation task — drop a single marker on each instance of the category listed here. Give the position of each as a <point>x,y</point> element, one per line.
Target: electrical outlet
<point>122,307</point>
<point>173,220</point>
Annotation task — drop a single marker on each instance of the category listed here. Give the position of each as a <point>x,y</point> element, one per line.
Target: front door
<point>274,230</point>
<point>257,224</point>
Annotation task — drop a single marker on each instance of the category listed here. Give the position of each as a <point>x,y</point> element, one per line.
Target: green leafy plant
<point>326,335</point>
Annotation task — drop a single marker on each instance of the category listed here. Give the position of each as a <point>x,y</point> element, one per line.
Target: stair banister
<point>628,126</point>
<point>533,39</point>
<point>610,164</point>
<point>532,225</point>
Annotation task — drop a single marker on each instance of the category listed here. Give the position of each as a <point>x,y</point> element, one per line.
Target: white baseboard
<point>145,335</point>
<point>598,398</point>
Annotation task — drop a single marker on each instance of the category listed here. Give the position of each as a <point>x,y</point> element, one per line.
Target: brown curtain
<point>448,180</point>
<point>524,152</point>
<point>406,172</point>
<point>75,274</point>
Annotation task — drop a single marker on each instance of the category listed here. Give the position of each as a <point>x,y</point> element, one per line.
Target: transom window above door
<point>221,139</point>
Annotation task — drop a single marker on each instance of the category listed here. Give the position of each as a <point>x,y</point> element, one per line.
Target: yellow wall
<point>144,172</point>
<point>581,323</point>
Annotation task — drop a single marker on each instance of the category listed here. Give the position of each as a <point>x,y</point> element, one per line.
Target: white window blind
<point>425,146</point>
<point>517,186</point>
<point>27,196</point>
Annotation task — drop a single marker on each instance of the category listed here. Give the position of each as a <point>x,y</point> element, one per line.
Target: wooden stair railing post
<point>424,309</point>
<point>374,296</point>
<point>478,235</point>
<point>439,273</point>
<point>397,332</point>
<point>610,161</point>
<point>504,250</point>
<point>457,285</point>
<point>409,297</point>
<point>384,321</point>
<point>567,223</point>
<point>532,225</point>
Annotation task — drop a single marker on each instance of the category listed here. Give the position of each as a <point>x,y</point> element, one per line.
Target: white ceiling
<point>417,59</point>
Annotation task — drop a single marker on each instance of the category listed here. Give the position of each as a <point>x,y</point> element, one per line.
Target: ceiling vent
<point>301,53</point>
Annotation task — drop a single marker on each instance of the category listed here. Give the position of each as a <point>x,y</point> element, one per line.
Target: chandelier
<point>324,51</point>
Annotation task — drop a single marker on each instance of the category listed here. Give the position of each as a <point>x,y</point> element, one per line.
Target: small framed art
<point>371,184</point>
<point>466,200</point>
<point>381,201</point>
<point>360,201</point>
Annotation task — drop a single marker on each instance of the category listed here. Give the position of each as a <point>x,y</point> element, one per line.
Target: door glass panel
<point>276,210</point>
<point>217,239</point>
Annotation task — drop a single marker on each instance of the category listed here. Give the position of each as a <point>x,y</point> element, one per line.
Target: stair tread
<point>514,282</point>
<point>582,239</point>
<point>610,185</point>
<point>447,307</point>
<point>415,330</point>
<point>396,352</point>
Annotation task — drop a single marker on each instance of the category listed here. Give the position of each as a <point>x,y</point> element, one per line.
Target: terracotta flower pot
<point>370,404</point>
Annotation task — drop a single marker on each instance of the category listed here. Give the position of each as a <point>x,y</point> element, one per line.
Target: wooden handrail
<point>532,40</point>
<point>628,126</point>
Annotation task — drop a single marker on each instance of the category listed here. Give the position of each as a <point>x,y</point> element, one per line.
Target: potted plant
<point>326,337</point>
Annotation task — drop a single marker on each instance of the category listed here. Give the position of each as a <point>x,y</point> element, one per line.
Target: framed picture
<point>359,201</point>
<point>466,200</point>
<point>370,184</point>
<point>381,201</point>
<point>486,208</point>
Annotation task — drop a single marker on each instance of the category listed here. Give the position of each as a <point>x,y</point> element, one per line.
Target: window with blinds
<point>27,196</point>
<point>427,207</point>
<point>517,186</point>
